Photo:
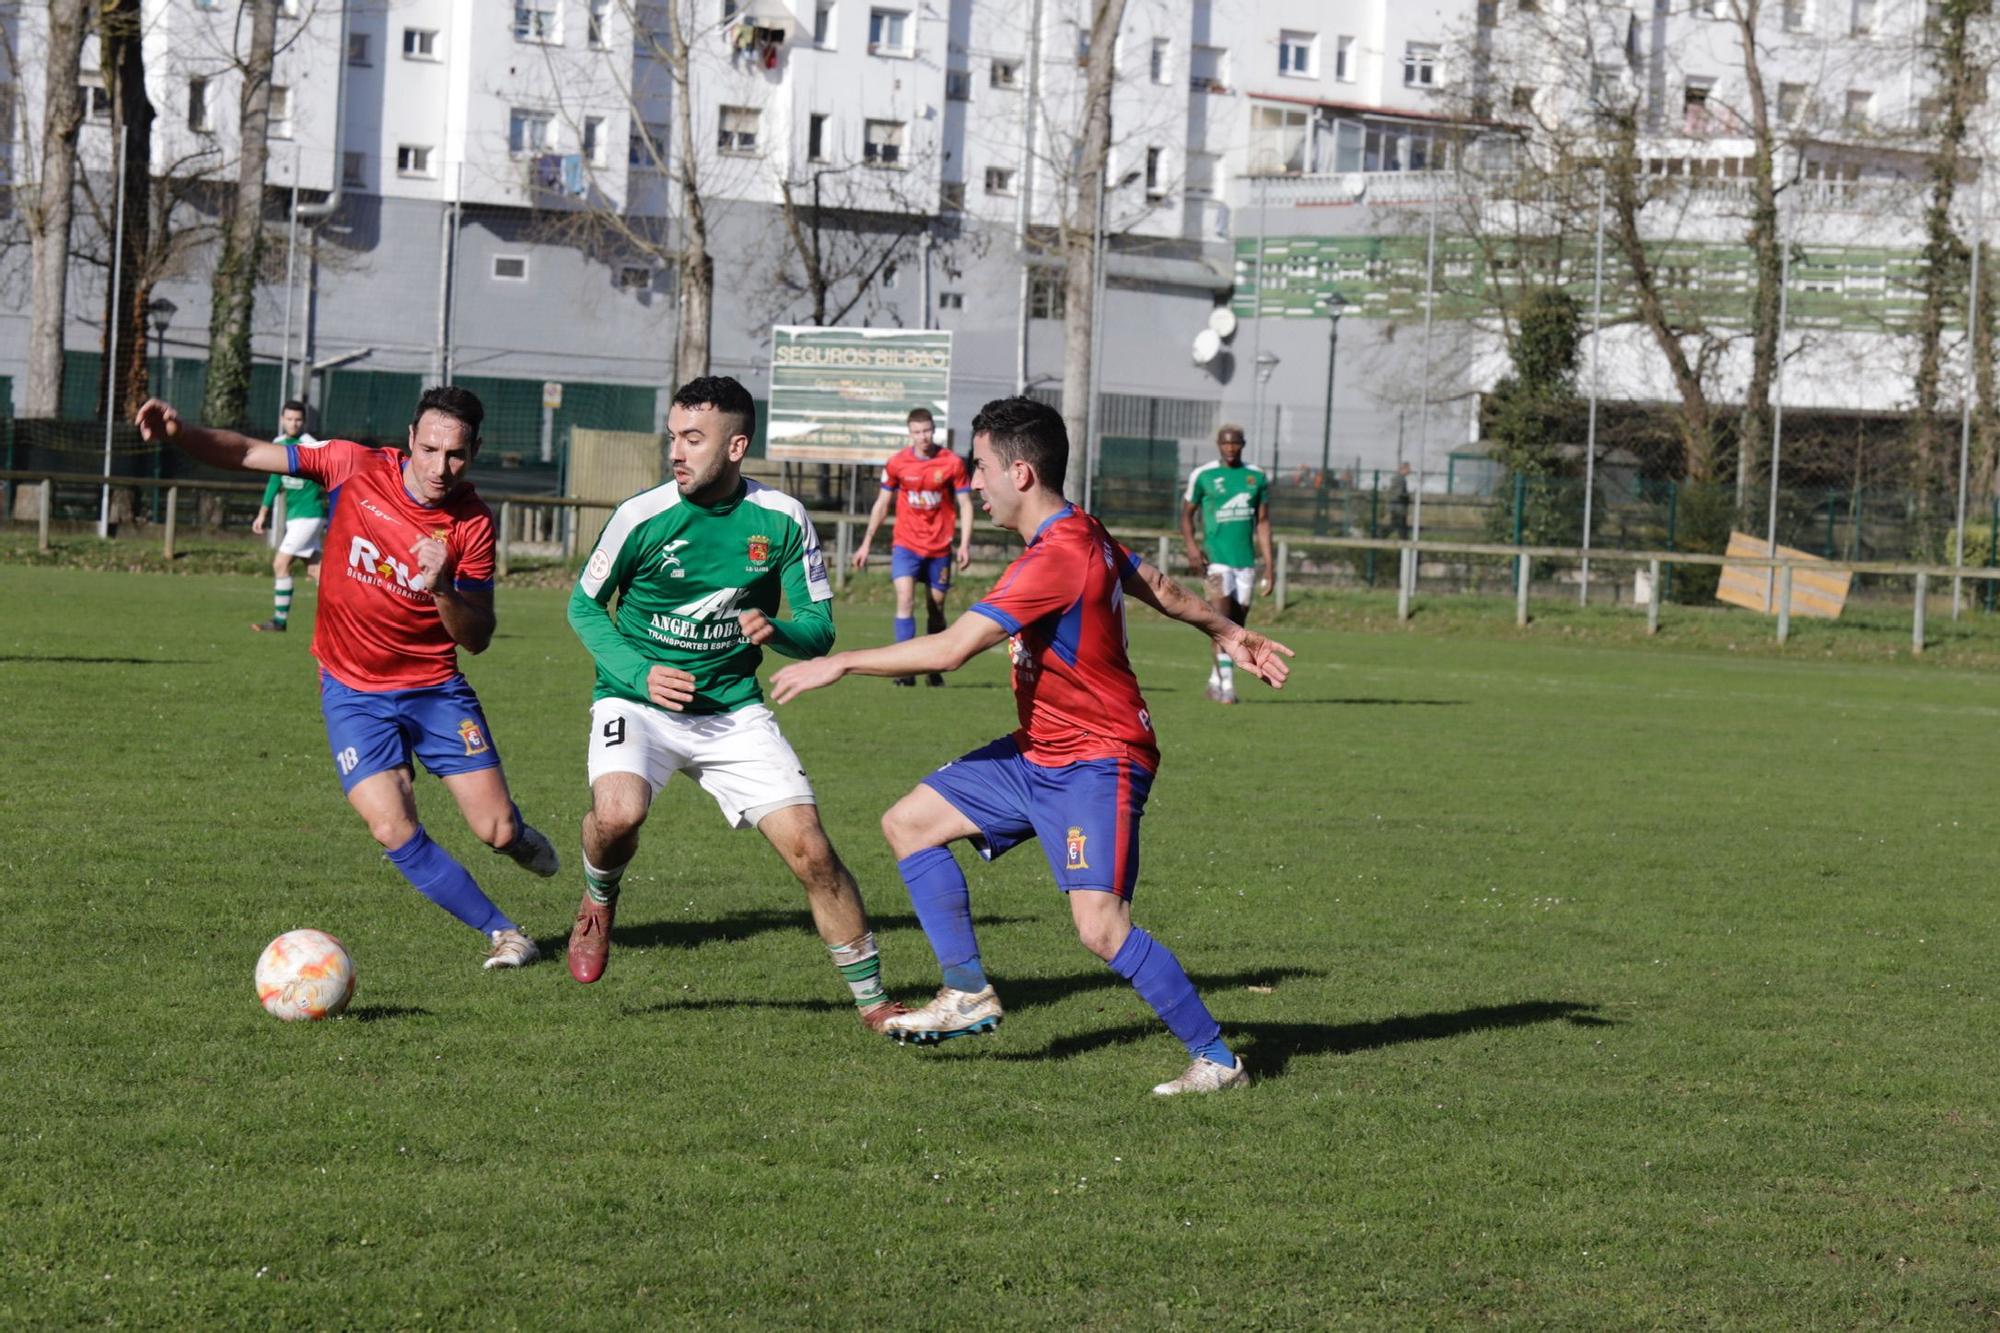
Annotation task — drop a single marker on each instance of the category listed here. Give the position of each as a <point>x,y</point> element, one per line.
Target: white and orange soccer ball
<point>304,976</point>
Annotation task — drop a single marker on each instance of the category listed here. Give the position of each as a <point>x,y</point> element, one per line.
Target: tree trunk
<point>48,216</point>
<point>1986,412</point>
<point>1754,426</point>
<point>226,399</point>
<point>123,59</point>
<point>697,266</point>
<point>1080,236</point>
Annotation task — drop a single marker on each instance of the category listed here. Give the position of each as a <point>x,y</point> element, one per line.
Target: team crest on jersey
<point>600,564</point>
<point>1074,842</point>
<point>474,737</point>
<point>760,549</point>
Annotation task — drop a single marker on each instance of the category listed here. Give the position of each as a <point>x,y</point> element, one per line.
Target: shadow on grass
<point>1379,703</point>
<point>692,933</point>
<point>382,1013</point>
<point>101,661</point>
<point>1269,1048</point>
<point>1018,993</point>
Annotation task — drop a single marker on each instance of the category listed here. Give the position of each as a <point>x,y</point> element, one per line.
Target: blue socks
<point>906,628</point>
<point>943,905</point>
<point>433,872</point>
<point>1161,982</point>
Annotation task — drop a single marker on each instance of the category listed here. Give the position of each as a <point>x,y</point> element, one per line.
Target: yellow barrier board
<point>1815,592</point>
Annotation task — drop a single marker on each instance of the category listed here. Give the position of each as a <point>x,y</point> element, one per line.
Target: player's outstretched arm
<point>968,636</point>
<point>1261,657</point>
<point>158,421</point>
<point>965,529</point>
<point>1197,558</point>
<point>875,517</point>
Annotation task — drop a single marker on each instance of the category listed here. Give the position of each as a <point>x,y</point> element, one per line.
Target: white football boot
<point>954,1013</point>
<point>1204,1075</point>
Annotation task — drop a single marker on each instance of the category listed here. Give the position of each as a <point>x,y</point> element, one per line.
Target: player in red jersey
<point>1076,773</point>
<point>408,583</point>
<point>931,488</point>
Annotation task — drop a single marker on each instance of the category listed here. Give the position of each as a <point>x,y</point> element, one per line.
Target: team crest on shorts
<point>474,738</point>
<point>1075,842</point>
<point>760,550</point>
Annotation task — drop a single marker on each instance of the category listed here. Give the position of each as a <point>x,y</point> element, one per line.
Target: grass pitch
<point>1587,985</point>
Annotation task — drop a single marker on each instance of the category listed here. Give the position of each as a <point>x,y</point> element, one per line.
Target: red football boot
<point>590,939</point>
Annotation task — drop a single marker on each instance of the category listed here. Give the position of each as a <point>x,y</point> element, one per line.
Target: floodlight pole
<point>1335,305</point>
<point>1965,404</point>
<point>1424,416</point>
<point>117,318</point>
<point>1777,417</point>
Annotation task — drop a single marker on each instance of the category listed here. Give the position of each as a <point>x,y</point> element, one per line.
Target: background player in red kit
<point>1076,773</point>
<point>408,582</point>
<point>932,491</point>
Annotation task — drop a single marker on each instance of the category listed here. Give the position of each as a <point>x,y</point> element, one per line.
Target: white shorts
<point>301,537</point>
<point>1237,585</point>
<point>739,758</point>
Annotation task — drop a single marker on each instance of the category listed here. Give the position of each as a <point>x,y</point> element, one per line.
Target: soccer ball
<point>304,975</point>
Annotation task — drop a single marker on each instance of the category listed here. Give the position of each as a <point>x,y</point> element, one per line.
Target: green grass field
<point>1588,984</point>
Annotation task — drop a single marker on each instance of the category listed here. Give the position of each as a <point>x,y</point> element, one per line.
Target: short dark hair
<point>461,405</point>
<point>920,414</point>
<point>292,405</point>
<point>1229,431</point>
<point>1032,432</point>
<point>725,395</point>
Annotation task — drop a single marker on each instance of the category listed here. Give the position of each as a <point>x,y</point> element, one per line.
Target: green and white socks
<point>281,601</point>
<point>1223,677</point>
<point>602,885</point>
<point>861,968</point>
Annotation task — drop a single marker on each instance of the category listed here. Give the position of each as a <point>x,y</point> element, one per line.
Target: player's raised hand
<point>756,626</point>
<point>432,556</point>
<point>157,420</point>
<point>792,681</point>
<point>1261,657</point>
<point>669,687</point>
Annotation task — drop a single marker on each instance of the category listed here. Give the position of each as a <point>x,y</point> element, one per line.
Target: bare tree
<point>51,207</point>
<point>226,396</point>
<point>837,249</point>
<point>697,266</point>
<point>121,39</point>
<point>1767,266</point>
<point>1080,232</point>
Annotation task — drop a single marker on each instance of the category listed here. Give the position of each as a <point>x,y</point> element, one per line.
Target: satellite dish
<point>1222,320</point>
<point>1206,344</point>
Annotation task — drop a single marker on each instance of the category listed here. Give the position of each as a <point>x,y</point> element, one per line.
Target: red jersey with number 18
<point>1063,601</point>
<point>927,491</point>
<point>374,631</point>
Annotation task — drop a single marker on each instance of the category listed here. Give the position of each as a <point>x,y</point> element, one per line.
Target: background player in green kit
<point>697,566</point>
<point>305,518</point>
<point>1230,496</point>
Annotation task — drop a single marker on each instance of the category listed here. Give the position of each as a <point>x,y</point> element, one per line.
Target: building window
<point>1298,54</point>
<point>281,113</point>
<point>96,99</point>
<point>1864,18</point>
<point>1420,65</point>
<point>1696,117</point>
<point>951,300</point>
<point>599,28</point>
<point>1343,59</point>
<point>816,137</point>
<point>888,32</point>
<point>593,140</point>
<point>1045,295</point>
<point>510,268</point>
<point>288,8</point>
<point>823,24</point>
<point>537,21</point>
<point>1929,109</point>
<point>1208,68</point>
<point>1277,140</point>
<point>1201,172</point>
<point>951,196</point>
<point>357,48</point>
<point>420,44</point>
<point>999,180</point>
<point>646,149</point>
<point>736,130</point>
<point>208,4</point>
<point>413,160</point>
<point>1005,74</point>
<point>198,118</point>
<point>530,132</point>
<point>1791,103</point>
<point>1162,67</point>
<point>1797,15</point>
<point>1860,109</point>
<point>635,278</point>
<point>352,167</point>
<point>1154,158</point>
<point>958,85</point>
<point>882,142</point>
<point>889,276</point>
<point>1522,100</point>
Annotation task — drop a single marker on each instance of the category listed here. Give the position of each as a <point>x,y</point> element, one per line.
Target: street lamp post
<point>1266,363</point>
<point>1336,305</point>
<point>161,311</point>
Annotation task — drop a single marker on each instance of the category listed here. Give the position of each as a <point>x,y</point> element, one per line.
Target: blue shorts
<point>373,731</point>
<point>934,570</point>
<point>1086,814</point>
